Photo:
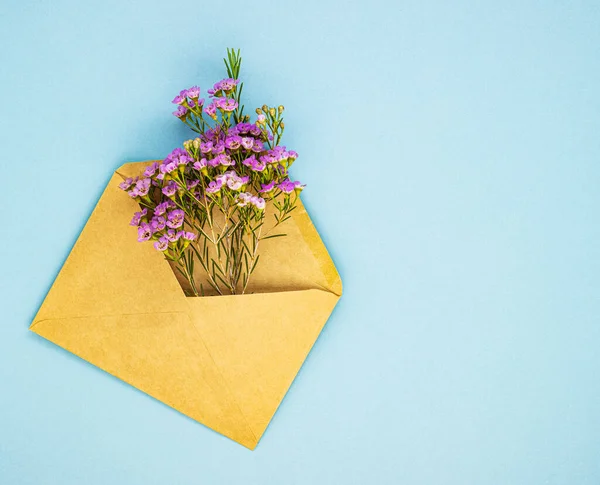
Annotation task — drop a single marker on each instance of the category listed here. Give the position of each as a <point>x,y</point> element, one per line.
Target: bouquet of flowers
<point>224,361</point>
<point>209,202</point>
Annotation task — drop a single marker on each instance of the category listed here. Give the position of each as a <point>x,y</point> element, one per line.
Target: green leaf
<point>274,235</point>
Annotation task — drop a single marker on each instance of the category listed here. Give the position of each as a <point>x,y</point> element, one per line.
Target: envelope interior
<point>286,263</point>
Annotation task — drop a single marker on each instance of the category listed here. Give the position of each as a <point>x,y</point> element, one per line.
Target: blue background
<point>451,152</point>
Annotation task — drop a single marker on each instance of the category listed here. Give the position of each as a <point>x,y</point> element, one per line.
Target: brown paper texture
<point>224,361</point>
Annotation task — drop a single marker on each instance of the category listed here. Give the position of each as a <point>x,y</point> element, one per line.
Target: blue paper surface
<point>451,156</point>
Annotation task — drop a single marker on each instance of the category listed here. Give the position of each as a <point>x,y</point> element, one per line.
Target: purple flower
<point>280,153</point>
<point>268,157</point>
<point>192,183</point>
<point>180,98</point>
<point>214,186</point>
<point>168,166</point>
<point>214,162</point>
<point>218,147</point>
<point>241,128</point>
<point>258,146</point>
<point>206,147</point>
<point>188,236</point>
<point>137,217</point>
<point>234,181</point>
<point>133,193</point>
<point>170,188</point>
<point>249,161</point>
<point>160,209</point>
<point>200,164</point>
<point>172,235</point>
<point>179,156</point>
<point>287,187</point>
<point>227,84</point>
<point>211,110</point>
<point>143,186</point>
<point>243,199</point>
<point>162,244</point>
<point>180,112</point>
<point>183,159</point>
<point>233,142</point>
<point>151,169</point>
<point>227,104</point>
<point>175,218</point>
<point>267,188</point>
<point>277,154</point>
<point>254,164</point>
<point>292,155</point>
<point>144,232</point>
<point>212,134</point>
<point>247,142</point>
<point>258,165</point>
<point>258,202</point>
<point>254,130</point>
<point>157,223</point>
<point>128,182</point>
<point>224,160</point>
<point>216,89</point>
<point>299,187</point>
<point>193,92</point>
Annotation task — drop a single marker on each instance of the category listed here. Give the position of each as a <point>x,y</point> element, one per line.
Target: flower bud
<point>272,111</point>
<point>188,145</point>
<point>258,111</point>
<point>265,107</point>
<point>280,108</point>
<point>196,143</point>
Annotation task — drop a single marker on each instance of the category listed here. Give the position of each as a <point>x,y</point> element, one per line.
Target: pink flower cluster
<point>279,154</point>
<point>164,226</point>
<point>223,86</point>
<point>246,198</point>
<point>234,168</point>
<point>136,187</point>
<point>187,99</point>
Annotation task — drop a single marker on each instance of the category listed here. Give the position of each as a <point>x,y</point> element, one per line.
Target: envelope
<point>224,361</point>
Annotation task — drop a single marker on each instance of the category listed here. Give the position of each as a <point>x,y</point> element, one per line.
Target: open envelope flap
<point>259,343</point>
<point>161,354</point>
<point>108,272</point>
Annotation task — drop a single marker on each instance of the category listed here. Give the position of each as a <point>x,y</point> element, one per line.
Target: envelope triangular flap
<point>161,354</point>
<point>259,343</point>
<point>108,272</point>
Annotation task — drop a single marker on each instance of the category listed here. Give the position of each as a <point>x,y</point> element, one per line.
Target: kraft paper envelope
<point>225,361</point>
